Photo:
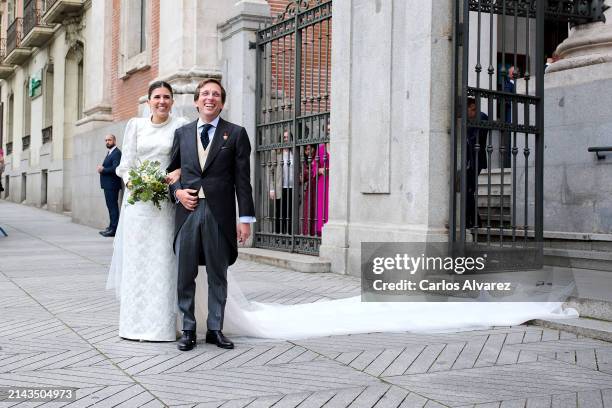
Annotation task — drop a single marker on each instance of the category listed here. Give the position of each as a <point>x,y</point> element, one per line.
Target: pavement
<point>58,328</point>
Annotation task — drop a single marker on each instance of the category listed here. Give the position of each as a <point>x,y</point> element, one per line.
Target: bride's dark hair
<point>160,84</point>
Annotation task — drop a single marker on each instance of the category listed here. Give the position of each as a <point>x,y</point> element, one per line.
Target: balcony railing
<point>25,142</point>
<point>32,16</point>
<point>55,11</point>
<point>9,148</point>
<point>49,4</point>
<point>14,34</point>
<point>47,134</point>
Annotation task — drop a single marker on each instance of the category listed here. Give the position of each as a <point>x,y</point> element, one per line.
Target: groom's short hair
<point>196,95</point>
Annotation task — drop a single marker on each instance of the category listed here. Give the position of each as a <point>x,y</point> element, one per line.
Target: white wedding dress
<point>144,272</point>
<point>143,269</point>
<point>351,316</point>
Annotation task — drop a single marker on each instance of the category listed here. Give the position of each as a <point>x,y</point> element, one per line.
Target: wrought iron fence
<point>293,131</point>
<point>2,48</point>
<point>32,16</point>
<point>14,34</point>
<point>48,4</point>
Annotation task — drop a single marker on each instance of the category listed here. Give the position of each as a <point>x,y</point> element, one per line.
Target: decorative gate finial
<point>295,7</point>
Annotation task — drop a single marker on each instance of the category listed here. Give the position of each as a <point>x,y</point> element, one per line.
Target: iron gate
<point>497,154</point>
<point>293,131</point>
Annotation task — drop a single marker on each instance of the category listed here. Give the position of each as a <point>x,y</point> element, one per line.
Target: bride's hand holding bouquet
<point>148,182</point>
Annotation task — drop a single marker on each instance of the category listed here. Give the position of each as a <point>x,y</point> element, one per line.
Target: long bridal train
<point>351,316</point>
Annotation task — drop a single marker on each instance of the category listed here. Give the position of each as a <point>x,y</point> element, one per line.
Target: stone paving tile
<point>480,385</point>
<point>58,326</point>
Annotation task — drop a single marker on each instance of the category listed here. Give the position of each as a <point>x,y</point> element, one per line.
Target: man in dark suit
<point>111,184</point>
<point>214,158</point>
<point>476,160</point>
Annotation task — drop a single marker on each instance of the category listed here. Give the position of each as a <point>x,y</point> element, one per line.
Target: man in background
<point>476,160</point>
<point>111,184</point>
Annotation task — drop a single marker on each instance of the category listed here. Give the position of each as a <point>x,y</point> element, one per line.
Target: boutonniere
<point>225,135</point>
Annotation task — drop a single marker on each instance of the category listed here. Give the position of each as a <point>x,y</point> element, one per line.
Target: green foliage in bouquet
<point>146,183</point>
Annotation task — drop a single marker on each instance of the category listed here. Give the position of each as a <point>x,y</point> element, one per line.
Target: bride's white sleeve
<point>128,150</point>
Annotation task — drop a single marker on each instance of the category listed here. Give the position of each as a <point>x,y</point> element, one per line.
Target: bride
<point>143,272</point>
<point>143,267</point>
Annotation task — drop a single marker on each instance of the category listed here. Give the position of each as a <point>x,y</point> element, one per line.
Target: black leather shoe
<point>216,337</point>
<point>187,341</point>
<point>107,234</point>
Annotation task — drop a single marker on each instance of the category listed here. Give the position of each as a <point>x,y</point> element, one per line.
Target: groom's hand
<point>244,232</point>
<point>188,198</point>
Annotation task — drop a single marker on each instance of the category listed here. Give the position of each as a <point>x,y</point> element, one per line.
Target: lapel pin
<point>225,136</point>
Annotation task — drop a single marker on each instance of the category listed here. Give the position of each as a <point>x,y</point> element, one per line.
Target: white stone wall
<point>577,186</point>
<point>391,74</point>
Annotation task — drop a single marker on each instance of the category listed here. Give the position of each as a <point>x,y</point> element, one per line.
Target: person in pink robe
<point>322,161</point>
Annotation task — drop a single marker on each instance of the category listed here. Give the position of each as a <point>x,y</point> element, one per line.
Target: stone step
<point>495,200</point>
<point>601,242</point>
<point>495,214</point>
<point>287,260</point>
<point>496,174</point>
<point>583,326</point>
<point>576,258</point>
<point>598,309</point>
<point>496,190</point>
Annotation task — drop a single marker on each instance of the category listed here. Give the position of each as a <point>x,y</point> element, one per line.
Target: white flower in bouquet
<point>147,183</point>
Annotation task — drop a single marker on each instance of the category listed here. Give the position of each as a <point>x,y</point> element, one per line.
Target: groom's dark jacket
<point>226,176</point>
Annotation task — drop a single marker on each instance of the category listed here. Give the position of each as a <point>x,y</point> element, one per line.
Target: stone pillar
<point>335,236</point>
<point>238,61</point>
<point>189,46</point>
<point>390,142</point>
<point>238,65</point>
<point>96,26</point>
<point>586,45</point>
<point>577,186</point>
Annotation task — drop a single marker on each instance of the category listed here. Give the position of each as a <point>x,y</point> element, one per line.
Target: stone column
<point>238,66</point>
<point>238,61</point>
<point>96,27</point>
<point>335,236</point>
<point>586,45</point>
<point>189,46</point>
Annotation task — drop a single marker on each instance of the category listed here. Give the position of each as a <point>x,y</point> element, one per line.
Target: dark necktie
<point>204,135</point>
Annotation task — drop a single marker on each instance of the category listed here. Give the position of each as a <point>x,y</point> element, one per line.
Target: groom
<point>213,156</point>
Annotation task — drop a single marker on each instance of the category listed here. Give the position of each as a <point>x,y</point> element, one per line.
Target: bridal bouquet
<point>146,183</point>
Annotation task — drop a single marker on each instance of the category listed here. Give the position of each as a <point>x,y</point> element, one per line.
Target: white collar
<point>213,122</point>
